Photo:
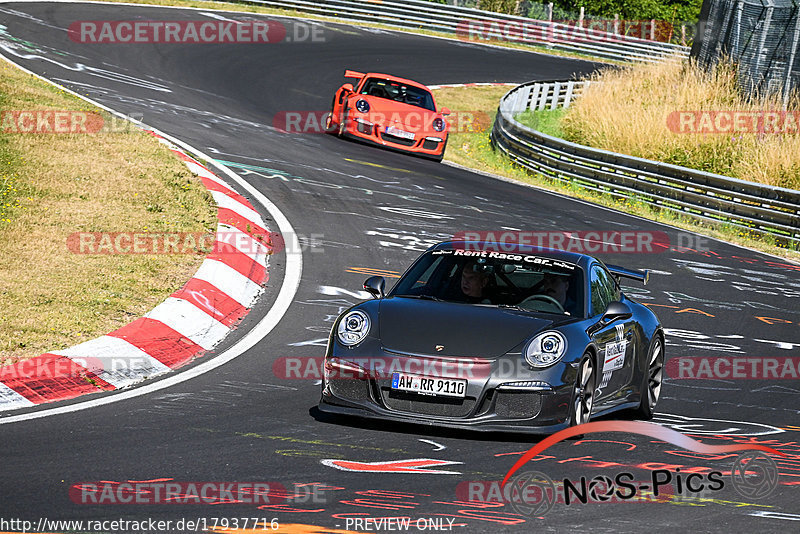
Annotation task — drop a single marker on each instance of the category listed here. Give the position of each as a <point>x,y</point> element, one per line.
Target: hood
<point>470,331</point>
<point>398,114</point>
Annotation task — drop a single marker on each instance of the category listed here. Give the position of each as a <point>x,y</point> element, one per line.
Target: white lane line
<point>286,294</point>
<point>219,17</point>
<point>439,446</point>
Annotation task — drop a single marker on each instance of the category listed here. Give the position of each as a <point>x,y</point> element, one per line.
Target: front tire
<point>440,157</point>
<point>330,125</point>
<point>652,380</point>
<point>584,392</point>
<point>343,121</point>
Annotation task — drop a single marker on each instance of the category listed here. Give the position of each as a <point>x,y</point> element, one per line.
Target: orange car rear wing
<point>353,74</point>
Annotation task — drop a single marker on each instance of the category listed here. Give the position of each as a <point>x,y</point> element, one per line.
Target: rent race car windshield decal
<point>545,262</point>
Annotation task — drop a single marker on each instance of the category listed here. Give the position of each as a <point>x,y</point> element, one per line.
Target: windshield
<point>524,281</point>
<point>393,90</point>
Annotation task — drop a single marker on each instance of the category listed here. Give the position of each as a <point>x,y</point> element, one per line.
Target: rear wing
<point>622,272</point>
<point>353,74</point>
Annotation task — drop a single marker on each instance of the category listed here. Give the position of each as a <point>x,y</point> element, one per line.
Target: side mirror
<point>616,310</point>
<point>348,87</point>
<point>445,111</point>
<point>375,285</point>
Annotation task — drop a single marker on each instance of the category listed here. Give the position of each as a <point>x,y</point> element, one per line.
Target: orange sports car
<point>389,111</point>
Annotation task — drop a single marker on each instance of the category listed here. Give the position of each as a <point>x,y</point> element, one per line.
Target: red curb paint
<point>211,185</point>
<point>240,262</point>
<point>159,341</point>
<point>231,218</point>
<point>51,378</point>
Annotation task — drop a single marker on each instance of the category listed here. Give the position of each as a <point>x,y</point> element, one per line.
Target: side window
<point>604,290</point>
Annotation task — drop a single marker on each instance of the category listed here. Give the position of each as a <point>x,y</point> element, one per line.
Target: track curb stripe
<point>231,218</point>
<point>183,327</point>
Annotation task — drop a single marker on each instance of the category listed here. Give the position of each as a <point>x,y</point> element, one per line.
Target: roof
<point>396,78</point>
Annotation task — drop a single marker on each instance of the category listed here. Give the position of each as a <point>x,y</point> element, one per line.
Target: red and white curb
<point>187,324</point>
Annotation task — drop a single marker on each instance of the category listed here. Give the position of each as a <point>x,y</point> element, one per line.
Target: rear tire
<point>580,410</point>
<point>652,380</point>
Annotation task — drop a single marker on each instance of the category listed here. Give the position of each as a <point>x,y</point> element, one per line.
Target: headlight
<point>362,106</point>
<point>438,124</point>
<point>353,328</point>
<point>546,349</point>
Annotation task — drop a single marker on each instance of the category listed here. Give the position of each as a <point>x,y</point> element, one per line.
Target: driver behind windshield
<point>555,286</point>
<point>473,283</point>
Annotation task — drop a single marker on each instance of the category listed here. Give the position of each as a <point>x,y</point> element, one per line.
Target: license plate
<point>391,130</point>
<point>428,385</point>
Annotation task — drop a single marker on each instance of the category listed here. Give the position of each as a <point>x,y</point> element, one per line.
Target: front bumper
<point>489,404</point>
<point>424,143</point>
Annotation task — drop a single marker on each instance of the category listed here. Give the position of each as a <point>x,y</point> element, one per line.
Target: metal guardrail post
<point>556,93</point>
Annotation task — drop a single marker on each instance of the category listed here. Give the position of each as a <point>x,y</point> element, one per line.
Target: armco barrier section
<point>547,95</point>
<point>757,208</point>
<point>469,23</point>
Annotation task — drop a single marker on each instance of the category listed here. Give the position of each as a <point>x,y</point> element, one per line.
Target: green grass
<point>546,121</point>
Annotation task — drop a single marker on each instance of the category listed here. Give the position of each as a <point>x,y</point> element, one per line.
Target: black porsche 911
<point>492,337</point>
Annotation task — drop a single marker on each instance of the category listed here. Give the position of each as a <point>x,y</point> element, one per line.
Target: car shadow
<point>430,431</point>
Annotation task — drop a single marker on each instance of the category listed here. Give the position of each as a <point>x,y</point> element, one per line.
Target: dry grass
<point>57,184</point>
<point>628,113</point>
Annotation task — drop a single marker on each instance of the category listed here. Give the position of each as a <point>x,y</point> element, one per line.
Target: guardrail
<point>475,24</point>
<point>544,95</point>
<point>758,208</point>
